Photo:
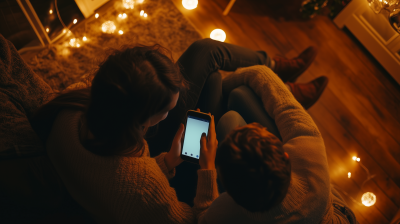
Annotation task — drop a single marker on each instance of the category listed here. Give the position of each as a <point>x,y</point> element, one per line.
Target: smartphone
<point>196,124</point>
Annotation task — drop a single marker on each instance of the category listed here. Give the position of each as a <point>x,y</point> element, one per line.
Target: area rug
<point>61,64</point>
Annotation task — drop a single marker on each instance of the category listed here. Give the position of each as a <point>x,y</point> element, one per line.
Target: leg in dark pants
<point>197,63</point>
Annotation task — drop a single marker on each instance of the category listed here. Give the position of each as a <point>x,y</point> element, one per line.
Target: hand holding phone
<point>208,148</point>
<point>194,147</point>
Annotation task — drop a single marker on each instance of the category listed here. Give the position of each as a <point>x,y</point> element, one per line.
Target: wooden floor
<point>359,112</point>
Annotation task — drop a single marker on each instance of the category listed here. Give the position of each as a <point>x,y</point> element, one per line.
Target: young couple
<point>100,138</point>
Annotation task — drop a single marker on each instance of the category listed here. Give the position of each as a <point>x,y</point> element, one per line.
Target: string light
<point>139,1</point>
<point>47,30</point>
<point>141,13</point>
<point>189,4</point>
<point>64,30</point>
<point>75,21</point>
<point>128,4</point>
<point>51,11</point>
<point>78,45</point>
<point>348,174</point>
<point>108,27</point>
<point>354,158</point>
<point>122,16</point>
<point>96,15</point>
<point>145,15</point>
<point>73,42</point>
<point>84,38</point>
<point>218,34</point>
<point>120,32</point>
<point>368,199</point>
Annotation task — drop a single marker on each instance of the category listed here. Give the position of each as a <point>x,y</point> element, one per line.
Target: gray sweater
<point>310,197</point>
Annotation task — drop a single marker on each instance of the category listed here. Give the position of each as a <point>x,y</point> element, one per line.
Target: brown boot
<point>308,93</point>
<point>289,69</point>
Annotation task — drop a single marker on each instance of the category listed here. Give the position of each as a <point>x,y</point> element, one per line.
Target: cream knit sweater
<point>122,189</point>
<point>310,197</point>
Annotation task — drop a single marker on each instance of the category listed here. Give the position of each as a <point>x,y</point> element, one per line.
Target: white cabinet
<point>374,32</point>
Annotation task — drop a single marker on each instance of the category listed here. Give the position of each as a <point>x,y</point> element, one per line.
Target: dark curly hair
<point>253,167</point>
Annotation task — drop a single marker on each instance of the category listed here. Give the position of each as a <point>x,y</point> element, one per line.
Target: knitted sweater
<point>309,198</point>
<point>120,189</point>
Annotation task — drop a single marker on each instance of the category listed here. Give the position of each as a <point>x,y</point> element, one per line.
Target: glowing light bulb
<point>368,199</point>
<point>354,158</point>
<point>96,15</point>
<point>358,159</point>
<point>189,4</point>
<point>218,34</point>
<point>348,174</point>
<point>47,30</point>
<point>120,15</point>
<point>84,38</point>
<point>75,21</point>
<point>139,1</point>
<point>108,27</point>
<point>145,15</point>
<point>141,13</point>
<point>121,32</point>
<point>64,30</point>
<point>128,4</point>
<point>51,11</point>
<point>78,45</point>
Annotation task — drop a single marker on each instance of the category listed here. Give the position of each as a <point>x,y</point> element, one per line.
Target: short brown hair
<point>253,167</point>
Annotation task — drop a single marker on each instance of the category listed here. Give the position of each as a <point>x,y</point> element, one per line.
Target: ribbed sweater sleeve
<point>290,117</point>
<point>161,163</point>
<point>207,191</point>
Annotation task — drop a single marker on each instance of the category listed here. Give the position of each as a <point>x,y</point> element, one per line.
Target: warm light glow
<point>108,27</point>
<point>73,42</point>
<point>96,15</point>
<point>128,4</point>
<point>75,21</point>
<point>78,45</point>
<point>189,4</point>
<point>84,38</point>
<point>47,30</point>
<point>141,13</point>
<point>139,1</point>
<point>145,15</point>
<point>368,199</point>
<point>64,30</point>
<point>348,174</point>
<point>121,32</point>
<point>218,34</point>
<point>51,11</point>
<point>122,16</point>
<point>354,158</point>
<point>69,32</point>
<point>358,159</point>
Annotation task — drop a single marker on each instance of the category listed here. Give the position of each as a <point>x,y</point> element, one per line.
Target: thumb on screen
<point>203,140</point>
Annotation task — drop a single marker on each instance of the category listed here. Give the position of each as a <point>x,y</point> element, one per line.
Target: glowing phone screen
<point>194,128</point>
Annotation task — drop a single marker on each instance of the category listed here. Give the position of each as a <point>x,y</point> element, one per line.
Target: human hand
<point>208,147</point>
<point>173,157</point>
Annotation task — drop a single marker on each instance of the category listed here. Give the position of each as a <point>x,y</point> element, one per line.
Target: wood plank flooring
<point>359,112</point>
